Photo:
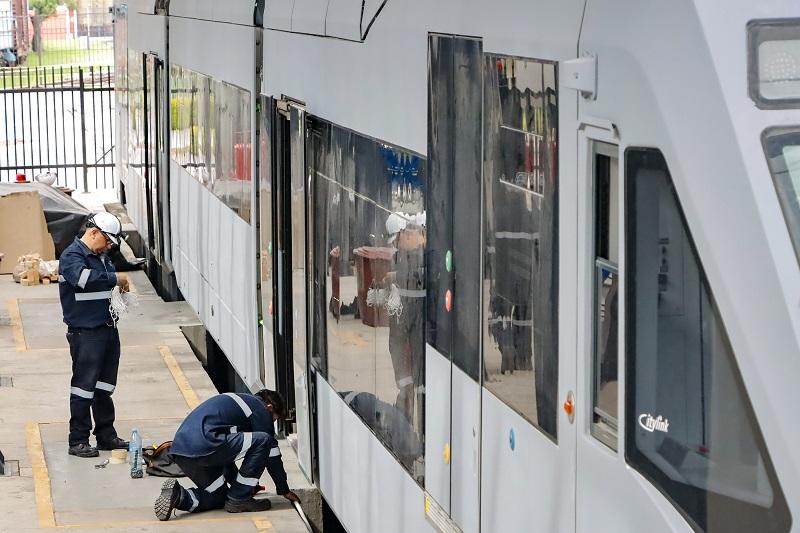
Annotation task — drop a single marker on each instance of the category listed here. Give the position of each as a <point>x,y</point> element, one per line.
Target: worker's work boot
<point>168,500</point>
<point>247,506</point>
<point>115,444</point>
<point>83,450</point>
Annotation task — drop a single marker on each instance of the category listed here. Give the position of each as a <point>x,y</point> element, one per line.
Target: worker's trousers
<point>95,362</point>
<point>214,473</point>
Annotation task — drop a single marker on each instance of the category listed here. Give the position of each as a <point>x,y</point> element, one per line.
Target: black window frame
<point>637,460</point>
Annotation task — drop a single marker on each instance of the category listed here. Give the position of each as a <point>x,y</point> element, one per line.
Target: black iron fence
<point>58,120</point>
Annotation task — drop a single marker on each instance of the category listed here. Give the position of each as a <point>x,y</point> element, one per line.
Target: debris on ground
<point>31,269</point>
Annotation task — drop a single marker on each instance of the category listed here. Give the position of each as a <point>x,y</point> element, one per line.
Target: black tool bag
<point>160,462</point>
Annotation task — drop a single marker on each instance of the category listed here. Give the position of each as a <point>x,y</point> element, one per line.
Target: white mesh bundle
<point>121,303</point>
<point>388,298</point>
<point>394,306</point>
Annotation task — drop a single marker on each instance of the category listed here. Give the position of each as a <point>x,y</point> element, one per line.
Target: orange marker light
<point>448,300</point>
<point>569,407</point>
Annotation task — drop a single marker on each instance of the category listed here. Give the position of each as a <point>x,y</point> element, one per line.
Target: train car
<point>518,266</point>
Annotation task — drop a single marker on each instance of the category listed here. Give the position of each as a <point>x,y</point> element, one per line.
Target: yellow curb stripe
<point>41,478</point>
<point>180,378</point>
<point>143,523</point>
<point>16,324</point>
<point>262,525</point>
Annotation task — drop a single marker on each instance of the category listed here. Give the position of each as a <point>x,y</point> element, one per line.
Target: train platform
<point>160,380</point>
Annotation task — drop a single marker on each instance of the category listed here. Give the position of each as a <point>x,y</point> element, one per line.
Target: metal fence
<point>59,120</point>
<point>63,38</point>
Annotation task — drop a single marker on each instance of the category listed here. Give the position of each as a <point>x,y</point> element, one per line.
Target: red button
<point>448,300</point>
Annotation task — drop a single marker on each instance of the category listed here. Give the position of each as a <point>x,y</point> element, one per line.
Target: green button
<point>269,248</point>
<point>448,261</point>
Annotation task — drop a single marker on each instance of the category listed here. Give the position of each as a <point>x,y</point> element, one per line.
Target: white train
<point>521,266</point>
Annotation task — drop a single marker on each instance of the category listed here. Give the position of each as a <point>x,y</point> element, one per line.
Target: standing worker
<point>219,431</point>
<point>85,284</point>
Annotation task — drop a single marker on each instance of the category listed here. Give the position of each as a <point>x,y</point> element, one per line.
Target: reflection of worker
<point>219,431</point>
<point>406,340</point>
<point>389,423</point>
<point>85,284</point>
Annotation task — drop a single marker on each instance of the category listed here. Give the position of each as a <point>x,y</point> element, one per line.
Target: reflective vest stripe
<point>238,400</point>
<point>84,296</point>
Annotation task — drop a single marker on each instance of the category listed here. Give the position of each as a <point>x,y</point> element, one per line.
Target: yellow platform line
<point>262,525</point>
<point>143,523</point>
<point>41,478</point>
<point>180,378</point>
<point>16,324</point>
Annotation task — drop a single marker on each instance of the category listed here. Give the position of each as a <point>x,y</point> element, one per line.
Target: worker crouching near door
<point>219,431</point>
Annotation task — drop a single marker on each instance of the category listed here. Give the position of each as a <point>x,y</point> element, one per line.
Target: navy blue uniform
<point>219,431</point>
<point>85,284</point>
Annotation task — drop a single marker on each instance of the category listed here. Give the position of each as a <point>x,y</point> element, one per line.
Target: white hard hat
<point>395,224</point>
<point>108,224</point>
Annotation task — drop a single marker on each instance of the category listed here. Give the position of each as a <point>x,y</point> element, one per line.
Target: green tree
<point>43,8</point>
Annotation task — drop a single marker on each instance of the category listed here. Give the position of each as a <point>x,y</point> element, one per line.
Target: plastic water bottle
<point>135,454</point>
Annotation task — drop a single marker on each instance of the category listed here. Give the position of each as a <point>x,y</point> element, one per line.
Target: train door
<point>155,182</point>
<point>292,264</point>
<point>528,363</point>
<point>452,359</point>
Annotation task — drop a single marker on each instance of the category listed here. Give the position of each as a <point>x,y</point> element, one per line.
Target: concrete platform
<point>160,380</point>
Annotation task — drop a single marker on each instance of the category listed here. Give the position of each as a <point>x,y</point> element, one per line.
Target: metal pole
<point>83,132</point>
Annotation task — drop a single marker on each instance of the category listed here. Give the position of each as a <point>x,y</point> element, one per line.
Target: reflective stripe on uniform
<point>100,295</point>
<point>350,397</point>
<point>195,502</point>
<point>412,293</point>
<point>250,481</point>
<point>102,385</point>
<point>403,382</point>
<point>84,278</point>
<point>248,441</point>
<point>216,484</point>
<point>516,235</point>
<point>238,400</point>
<point>275,452</point>
<point>234,429</point>
<point>82,393</point>
<point>61,279</point>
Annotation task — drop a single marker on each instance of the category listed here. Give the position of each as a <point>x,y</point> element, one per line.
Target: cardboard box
<point>23,229</point>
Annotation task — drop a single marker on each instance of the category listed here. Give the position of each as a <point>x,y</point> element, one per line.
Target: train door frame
<point>599,451</point>
<point>293,194</point>
<point>156,189</point>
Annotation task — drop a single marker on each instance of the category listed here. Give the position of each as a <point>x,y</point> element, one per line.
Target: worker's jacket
<point>212,422</point>
<point>85,283</point>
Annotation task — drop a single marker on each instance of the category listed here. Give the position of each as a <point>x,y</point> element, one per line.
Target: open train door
<point>156,191</point>
<point>292,265</point>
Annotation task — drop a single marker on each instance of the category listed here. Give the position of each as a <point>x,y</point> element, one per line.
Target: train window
<point>136,118</point>
<point>210,135</point>
<point>692,431</point>
<point>782,148</point>
<point>606,299</point>
<point>455,198</point>
<point>229,154</point>
<point>521,236</point>
<point>369,281</point>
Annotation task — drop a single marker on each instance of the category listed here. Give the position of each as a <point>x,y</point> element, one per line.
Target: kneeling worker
<point>219,431</point>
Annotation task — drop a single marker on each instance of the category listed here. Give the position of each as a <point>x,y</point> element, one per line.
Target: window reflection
<point>370,224</point>
<point>692,430</point>
<point>210,134</point>
<point>520,266</point>
<point>136,118</point>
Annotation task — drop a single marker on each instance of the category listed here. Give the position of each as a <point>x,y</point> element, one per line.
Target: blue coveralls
<point>85,284</point>
<point>219,431</point>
